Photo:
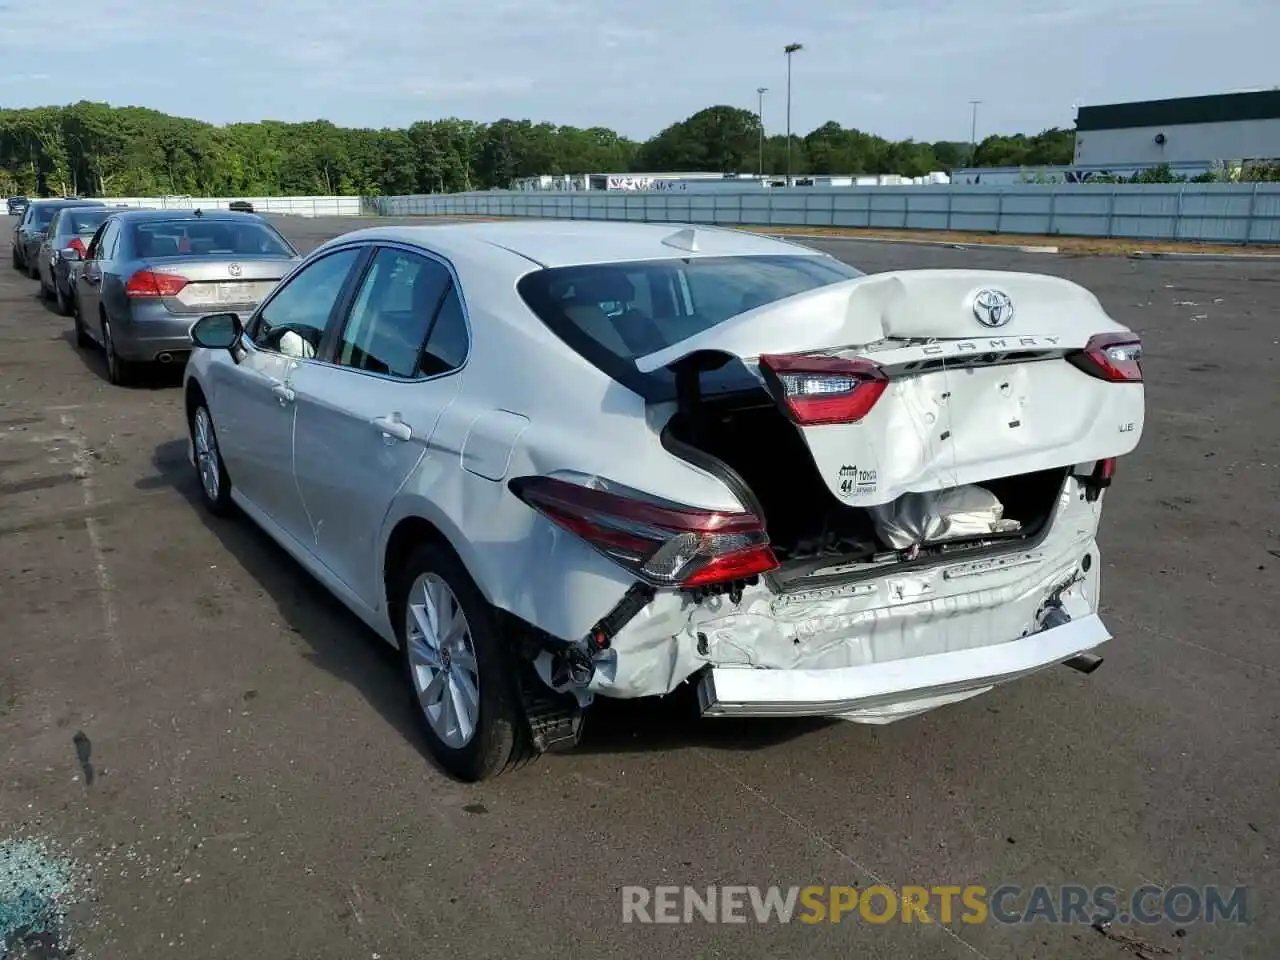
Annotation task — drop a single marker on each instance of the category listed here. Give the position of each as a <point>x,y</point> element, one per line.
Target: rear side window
<point>614,313</point>
<point>393,313</point>
<point>213,238</point>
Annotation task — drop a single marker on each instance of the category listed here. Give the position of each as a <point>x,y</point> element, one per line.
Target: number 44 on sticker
<point>853,480</point>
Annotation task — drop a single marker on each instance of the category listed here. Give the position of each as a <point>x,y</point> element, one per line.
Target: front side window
<point>294,320</point>
<point>614,313</point>
<point>393,313</point>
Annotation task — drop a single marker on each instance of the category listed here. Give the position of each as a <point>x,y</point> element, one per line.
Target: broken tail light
<point>148,283</point>
<point>666,545</point>
<point>1116,357</point>
<point>816,390</point>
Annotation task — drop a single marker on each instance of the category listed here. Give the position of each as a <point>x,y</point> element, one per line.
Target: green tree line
<point>94,149</point>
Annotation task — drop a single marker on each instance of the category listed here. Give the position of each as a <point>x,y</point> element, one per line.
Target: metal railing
<point>1246,213</point>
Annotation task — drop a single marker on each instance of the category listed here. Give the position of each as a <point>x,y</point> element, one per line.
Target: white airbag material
<point>940,515</point>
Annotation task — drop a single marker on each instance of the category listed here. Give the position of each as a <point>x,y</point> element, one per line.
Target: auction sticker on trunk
<point>855,482</point>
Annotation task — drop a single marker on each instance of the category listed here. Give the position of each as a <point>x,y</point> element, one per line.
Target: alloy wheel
<point>442,660</point>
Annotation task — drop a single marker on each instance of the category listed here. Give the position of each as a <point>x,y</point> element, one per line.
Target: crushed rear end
<point>921,459</point>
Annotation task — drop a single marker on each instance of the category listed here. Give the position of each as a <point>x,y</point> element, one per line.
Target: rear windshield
<point>41,216</point>
<point>613,313</point>
<point>81,222</point>
<point>212,238</point>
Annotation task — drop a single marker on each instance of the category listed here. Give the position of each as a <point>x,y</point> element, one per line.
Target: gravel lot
<point>226,760</point>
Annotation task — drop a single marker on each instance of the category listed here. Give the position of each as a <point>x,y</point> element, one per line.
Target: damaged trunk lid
<point>926,380</point>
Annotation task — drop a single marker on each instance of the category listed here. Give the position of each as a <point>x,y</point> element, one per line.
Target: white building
<point>1229,126</point>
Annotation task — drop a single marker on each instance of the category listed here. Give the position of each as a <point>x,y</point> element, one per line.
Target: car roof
<point>135,215</point>
<point>557,243</point>
<point>66,202</point>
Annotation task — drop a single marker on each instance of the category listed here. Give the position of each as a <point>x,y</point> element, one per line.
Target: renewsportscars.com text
<point>1007,904</point>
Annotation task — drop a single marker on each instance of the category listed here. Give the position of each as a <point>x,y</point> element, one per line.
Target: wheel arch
<point>193,394</point>
<point>407,533</point>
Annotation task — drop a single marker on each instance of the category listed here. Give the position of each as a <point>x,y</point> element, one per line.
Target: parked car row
<point>551,461</point>
<point>136,280</point>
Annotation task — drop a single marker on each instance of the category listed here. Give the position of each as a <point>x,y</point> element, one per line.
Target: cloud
<point>901,68</point>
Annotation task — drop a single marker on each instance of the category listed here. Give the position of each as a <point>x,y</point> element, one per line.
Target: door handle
<point>282,393</point>
<point>393,428</point>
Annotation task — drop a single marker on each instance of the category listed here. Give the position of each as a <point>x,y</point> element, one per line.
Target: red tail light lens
<point>663,544</point>
<point>815,390</point>
<point>147,283</point>
<point>1116,357</point>
<point>78,245</point>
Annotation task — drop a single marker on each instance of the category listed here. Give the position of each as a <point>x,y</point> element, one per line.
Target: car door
<point>48,245</point>
<point>252,400</point>
<point>89,281</point>
<point>364,422</point>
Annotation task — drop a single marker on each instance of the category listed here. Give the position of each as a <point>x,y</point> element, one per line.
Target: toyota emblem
<point>234,269</point>
<point>993,308</point>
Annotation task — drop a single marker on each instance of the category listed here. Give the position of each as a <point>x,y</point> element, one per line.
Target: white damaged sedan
<point>551,461</point>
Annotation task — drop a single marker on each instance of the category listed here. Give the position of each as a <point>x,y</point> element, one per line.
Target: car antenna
<point>199,212</point>
<point>686,239</point>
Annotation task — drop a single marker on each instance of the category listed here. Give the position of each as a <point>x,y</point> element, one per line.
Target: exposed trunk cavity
<point>748,442</point>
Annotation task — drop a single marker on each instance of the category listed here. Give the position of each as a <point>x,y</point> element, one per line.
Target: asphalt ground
<point>223,760</point>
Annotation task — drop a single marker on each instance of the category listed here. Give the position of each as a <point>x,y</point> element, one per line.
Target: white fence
<point>294,206</point>
<point>1220,213</point>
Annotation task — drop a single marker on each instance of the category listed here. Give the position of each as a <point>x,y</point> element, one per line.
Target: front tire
<point>61,303</point>
<point>460,675</point>
<point>211,472</point>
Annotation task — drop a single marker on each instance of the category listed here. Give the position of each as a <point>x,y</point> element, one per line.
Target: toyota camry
<point>556,461</point>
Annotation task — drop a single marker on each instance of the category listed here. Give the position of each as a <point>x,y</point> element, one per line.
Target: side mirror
<point>217,331</point>
<point>70,254</point>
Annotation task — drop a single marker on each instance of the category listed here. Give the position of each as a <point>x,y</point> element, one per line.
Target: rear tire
<point>447,629</point>
<point>61,303</point>
<point>33,271</point>
<point>119,372</point>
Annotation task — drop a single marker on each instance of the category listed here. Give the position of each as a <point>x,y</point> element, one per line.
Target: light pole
<point>760,92</point>
<point>789,49</point>
<point>973,131</point>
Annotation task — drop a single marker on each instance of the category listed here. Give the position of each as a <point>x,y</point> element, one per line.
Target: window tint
<point>81,222</point>
<point>294,320</point>
<point>100,248</point>
<point>447,346</point>
<point>43,215</point>
<point>95,245</point>
<point>392,313</point>
<point>613,313</point>
<point>208,237</point>
<point>110,240</point>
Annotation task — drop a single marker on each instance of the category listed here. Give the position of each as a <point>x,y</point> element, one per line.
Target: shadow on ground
<point>152,377</point>
<point>338,642</point>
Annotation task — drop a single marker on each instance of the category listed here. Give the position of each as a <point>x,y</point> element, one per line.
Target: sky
<point>898,68</point>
